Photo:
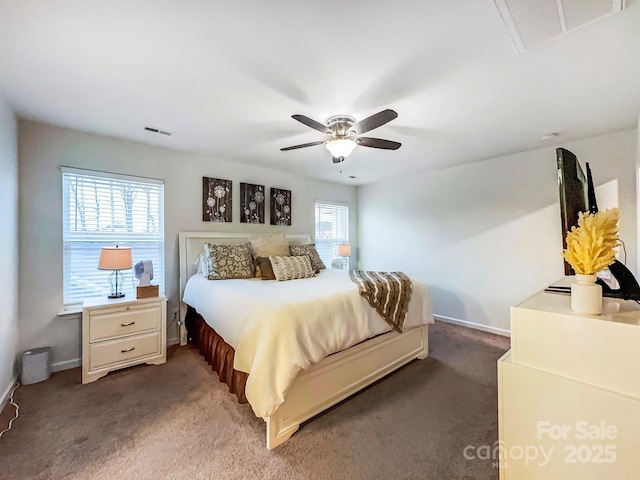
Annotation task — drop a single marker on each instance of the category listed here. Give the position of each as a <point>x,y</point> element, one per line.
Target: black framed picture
<point>216,200</point>
<point>251,203</point>
<point>280,206</point>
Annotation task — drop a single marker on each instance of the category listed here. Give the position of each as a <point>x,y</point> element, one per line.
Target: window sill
<point>71,310</point>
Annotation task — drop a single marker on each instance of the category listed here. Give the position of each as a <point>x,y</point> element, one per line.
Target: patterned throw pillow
<point>291,268</point>
<point>311,252</point>
<point>229,261</point>
<point>269,244</point>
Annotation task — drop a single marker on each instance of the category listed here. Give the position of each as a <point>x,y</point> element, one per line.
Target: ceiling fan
<point>343,133</point>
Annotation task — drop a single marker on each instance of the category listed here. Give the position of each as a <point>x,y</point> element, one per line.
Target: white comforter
<point>280,328</point>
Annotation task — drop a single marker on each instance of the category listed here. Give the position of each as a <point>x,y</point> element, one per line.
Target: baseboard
<point>476,326</point>
<point>172,341</point>
<point>66,365</point>
<point>7,392</point>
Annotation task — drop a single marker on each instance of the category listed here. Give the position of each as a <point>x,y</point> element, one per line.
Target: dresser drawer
<point>124,349</point>
<point>600,350</point>
<point>118,322</point>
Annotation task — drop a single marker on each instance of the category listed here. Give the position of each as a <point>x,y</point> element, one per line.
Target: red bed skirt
<point>218,353</point>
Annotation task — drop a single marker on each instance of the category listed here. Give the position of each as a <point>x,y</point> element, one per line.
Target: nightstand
<point>119,333</point>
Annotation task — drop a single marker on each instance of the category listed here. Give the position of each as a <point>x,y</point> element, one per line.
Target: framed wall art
<point>216,200</point>
<point>251,203</point>
<point>280,206</point>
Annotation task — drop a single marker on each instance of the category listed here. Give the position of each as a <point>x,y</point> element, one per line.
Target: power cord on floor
<point>11,402</point>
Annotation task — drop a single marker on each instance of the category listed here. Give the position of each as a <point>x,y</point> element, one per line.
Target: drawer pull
<point>126,324</point>
<point>126,350</point>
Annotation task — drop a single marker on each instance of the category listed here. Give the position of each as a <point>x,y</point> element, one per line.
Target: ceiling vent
<point>532,22</point>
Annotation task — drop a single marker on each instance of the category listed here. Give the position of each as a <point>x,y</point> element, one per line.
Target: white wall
<point>638,195</point>
<point>43,149</point>
<point>8,248</point>
<point>486,235</point>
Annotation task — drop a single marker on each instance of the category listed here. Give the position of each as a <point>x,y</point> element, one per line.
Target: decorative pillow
<point>311,252</point>
<point>269,244</point>
<point>266,270</point>
<point>201,265</point>
<point>228,261</point>
<point>291,268</point>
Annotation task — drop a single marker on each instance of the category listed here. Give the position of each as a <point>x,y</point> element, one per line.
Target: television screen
<point>573,194</point>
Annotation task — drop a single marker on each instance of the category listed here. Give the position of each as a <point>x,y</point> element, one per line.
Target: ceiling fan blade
<point>303,145</point>
<point>378,143</point>
<point>374,121</point>
<point>311,123</point>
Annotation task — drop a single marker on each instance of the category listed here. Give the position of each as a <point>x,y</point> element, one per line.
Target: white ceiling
<point>225,77</point>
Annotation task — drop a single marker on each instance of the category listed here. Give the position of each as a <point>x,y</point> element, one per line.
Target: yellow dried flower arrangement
<point>591,245</point>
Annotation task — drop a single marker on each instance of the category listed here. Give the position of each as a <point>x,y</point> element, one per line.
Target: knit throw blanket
<point>389,293</point>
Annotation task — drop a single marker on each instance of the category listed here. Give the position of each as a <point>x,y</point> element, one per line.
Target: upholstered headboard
<point>191,245</point>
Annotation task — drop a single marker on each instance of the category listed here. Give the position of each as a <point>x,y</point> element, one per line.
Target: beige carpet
<point>176,421</point>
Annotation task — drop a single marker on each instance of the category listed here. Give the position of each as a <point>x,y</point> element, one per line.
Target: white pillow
<point>201,265</point>
<point>269,244</point>
<point>291,268</point>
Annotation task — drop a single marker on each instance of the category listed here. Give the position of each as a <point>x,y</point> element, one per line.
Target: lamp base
<point>114,279</point>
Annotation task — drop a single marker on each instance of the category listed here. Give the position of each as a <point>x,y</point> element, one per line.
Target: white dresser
<point>122,332</point>
<point>569,392</point>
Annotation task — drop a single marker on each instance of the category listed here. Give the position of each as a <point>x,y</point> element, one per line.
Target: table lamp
<point>344,251</point>
<point>115,258</point>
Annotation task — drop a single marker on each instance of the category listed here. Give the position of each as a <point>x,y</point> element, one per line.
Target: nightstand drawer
<point>124,349</point>
<point>115,323</point>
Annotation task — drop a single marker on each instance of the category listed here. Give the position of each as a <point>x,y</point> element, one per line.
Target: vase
<point>586,295</point>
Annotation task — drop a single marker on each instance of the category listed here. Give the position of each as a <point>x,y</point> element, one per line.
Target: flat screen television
<point>574,194</point>
<point>577,194</point>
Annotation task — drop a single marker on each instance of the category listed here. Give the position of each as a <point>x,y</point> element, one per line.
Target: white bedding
<point>280,328</point>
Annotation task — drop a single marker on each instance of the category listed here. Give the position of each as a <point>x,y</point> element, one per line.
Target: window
<point>101,209</point>
<point>332,229</point>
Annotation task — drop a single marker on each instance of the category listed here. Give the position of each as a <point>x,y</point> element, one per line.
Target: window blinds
<point>332,228</point>
<point>102,209</point>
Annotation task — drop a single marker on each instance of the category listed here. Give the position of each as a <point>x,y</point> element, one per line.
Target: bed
<point>317,378</point>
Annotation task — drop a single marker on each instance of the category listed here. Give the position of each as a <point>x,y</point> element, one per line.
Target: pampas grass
<point>591,245</point>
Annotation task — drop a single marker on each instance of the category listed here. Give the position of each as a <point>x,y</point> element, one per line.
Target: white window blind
<point>332,228</point>
<point>102,209</point>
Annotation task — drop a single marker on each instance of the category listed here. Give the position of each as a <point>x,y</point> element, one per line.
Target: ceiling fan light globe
<point>341,147</point>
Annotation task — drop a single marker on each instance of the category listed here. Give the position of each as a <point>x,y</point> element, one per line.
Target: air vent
<point>156,130</point>
<point>531,23</point>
